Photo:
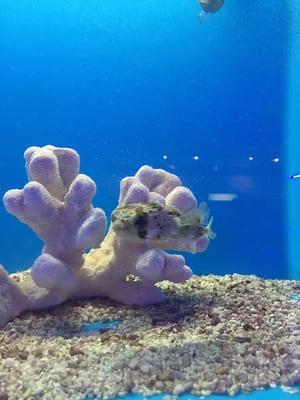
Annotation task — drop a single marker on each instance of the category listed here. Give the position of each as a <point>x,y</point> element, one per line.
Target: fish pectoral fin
<point>190,217</point>
<point>198,215</point>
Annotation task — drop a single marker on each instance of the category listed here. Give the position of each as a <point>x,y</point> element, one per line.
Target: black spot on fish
<point>142,234</point>
<point>174,213</point>
<point>141,223</point>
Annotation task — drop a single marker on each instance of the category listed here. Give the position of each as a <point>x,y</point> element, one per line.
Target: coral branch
<point>57,205</point>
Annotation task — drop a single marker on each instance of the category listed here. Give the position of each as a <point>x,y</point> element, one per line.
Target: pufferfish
<point>151,222</point>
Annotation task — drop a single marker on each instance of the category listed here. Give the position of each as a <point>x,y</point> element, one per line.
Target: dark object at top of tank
<point>211,6</point>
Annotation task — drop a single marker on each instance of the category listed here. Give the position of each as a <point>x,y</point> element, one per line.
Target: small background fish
<point>295,176</point>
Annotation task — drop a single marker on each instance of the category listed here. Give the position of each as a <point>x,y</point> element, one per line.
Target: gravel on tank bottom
<point>214,335</point>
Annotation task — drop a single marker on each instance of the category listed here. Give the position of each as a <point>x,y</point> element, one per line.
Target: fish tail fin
<point>210,233</point>
<point>202,16</point>
<point>203,212</point>
<point>198,215</point>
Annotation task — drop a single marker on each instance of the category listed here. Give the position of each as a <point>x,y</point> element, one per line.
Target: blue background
<point>126,82</point>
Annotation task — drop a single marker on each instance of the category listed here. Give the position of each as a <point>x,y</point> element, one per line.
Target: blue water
<point>270,394</point>
<point>260,395</point>
<point>126,83</point>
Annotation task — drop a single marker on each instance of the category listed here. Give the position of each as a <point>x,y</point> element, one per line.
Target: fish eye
<point>139,221</point>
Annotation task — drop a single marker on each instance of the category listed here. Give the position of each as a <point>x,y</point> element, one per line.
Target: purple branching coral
<point>57,205</point>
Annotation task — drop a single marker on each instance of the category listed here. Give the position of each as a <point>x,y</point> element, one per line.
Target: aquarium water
<point>118,104</point>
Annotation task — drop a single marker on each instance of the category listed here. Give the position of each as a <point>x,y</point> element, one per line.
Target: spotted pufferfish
<point>151,222</point>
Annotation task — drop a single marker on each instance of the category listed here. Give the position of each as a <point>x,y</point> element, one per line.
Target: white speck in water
<point>196,158</point>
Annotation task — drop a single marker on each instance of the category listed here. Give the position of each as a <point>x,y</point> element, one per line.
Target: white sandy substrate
<point>213,335</point>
